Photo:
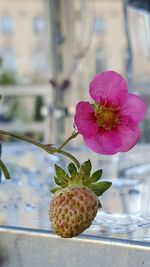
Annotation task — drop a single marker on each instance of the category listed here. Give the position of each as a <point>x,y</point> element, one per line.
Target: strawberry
<point>75,203</point>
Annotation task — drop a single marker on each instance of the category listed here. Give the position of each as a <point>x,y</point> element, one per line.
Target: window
<point>99,25</point>
<point>100,65</point>
<point>57,4</point>
<point>59,38</point>
<point>6,24</point>
<point>8,59</point>
<point>59,62</point>
<point>38,24</point>
<point>100,60</point>
<point>39,60</point>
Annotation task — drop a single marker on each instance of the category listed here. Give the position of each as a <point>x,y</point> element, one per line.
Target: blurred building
<point>69,42</point>
<point>24,47</point>
<point>25,67</point>
<point>138,26</point>
<point>89,38</point>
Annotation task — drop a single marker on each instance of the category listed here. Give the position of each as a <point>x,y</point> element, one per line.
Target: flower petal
<point>105,142</point>
<point>85,120</point>
<point>129,134</point>
<point>134,107</point>
<point>109,86</point>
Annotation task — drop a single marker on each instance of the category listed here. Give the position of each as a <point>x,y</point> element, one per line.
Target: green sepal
<point>72,169</point>
<point>58,182</point>
<point>93,178</point>
<point>95,106</point>
<point>86,168</point>
<point>100,188</point>
<point>53,190</point>
<point>61,174</point>
<point>96,176</point>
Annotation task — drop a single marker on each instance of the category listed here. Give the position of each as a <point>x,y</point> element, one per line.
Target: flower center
<point>107,117</point>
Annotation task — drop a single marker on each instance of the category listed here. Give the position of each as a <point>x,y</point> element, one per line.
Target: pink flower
<point>111,124</point>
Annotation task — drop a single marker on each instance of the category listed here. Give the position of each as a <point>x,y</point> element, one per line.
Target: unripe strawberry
<point>73,210</point>
<point>75,203</point>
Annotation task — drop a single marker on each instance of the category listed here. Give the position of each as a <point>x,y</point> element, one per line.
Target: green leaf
<point>61,174</point>
<point>72,169</point>
<point>53,190</point>
<point>100,188</point>
<point>96,176</point>
<point>4,170</point>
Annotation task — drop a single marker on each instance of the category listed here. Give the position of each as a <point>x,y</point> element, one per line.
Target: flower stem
<point>22,137</point>
<point>47,147</point>
<point>67,154</point>
<point>73,135</point>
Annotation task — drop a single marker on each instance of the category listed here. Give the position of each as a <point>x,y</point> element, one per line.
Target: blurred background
<point>49,52</point>
<point>51,49</point>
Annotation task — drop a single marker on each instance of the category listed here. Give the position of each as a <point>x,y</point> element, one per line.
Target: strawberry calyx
<point>80,178</point>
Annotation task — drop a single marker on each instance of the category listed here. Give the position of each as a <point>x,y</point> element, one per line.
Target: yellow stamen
<point>107,117</point>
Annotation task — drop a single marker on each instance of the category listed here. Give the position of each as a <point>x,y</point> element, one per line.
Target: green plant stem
<point>22,137</point>
<point>73,135</point>
<point>67,154</point>
<point>4,170</point>
<point>47,147</point>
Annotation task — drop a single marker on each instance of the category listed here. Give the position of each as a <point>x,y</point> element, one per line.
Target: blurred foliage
<point>38,105</point>
<point>7,78</point>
